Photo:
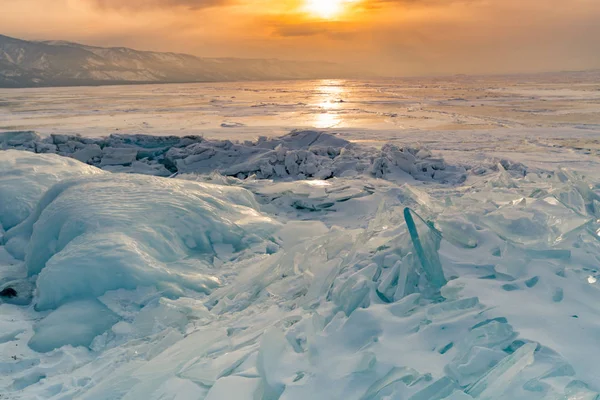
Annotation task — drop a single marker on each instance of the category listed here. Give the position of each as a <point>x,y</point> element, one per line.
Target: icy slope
<point>346,288</point>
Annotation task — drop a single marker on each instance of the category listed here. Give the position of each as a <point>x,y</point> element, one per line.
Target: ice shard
<point>438,390</point>
<point>497,380</point>
<point>426,242</point>
<point>396,374</point>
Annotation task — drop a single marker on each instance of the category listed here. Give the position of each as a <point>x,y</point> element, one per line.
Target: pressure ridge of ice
<point>300,154</point>
<point>232,286</point>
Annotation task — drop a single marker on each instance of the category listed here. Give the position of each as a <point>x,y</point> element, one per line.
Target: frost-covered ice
<point>306,266</point>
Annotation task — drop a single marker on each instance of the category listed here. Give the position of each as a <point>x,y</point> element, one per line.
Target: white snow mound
<point>91,235</point>
<point>25,177</point>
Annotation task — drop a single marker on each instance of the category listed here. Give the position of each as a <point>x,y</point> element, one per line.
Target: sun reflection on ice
<point>328,98</point>
<point>317,183</point>
<point>326,120</point>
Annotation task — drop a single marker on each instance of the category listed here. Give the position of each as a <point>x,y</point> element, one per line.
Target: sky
<point>389,37</point>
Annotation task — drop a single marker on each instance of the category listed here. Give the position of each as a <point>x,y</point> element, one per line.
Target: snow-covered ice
<point>133,231</point>
<point>308,265</point>
<point>26,177</point>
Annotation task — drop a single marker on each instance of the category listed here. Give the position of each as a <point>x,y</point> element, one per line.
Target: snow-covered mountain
<point>56,63</point>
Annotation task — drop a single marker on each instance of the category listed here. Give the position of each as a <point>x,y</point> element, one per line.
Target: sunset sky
<point>393,37</point>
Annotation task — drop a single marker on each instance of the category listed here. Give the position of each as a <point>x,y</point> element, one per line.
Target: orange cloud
<point>151,4</point>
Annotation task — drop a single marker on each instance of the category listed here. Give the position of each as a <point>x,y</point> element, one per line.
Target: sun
<point>326,9</point>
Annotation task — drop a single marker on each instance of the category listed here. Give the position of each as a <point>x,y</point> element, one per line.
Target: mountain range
<point>26,63</point>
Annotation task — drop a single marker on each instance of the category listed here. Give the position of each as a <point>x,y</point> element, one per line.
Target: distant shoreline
<point>138,83</point>
<point>542,77</point>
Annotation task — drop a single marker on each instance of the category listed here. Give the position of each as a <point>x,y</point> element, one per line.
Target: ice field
<point>419,240</point>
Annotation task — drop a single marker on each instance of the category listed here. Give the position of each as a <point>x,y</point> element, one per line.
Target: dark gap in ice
<point>446,348</point>
<point>532,282</point>
<point>514,346</point>
<point>509,287</point>
<point>8,293</point>
<point>558,295</point>
<point>501,320</point>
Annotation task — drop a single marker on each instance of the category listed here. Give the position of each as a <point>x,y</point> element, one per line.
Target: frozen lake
<point>462,116</point>
<point>419,239</point>
<point>272,108</point>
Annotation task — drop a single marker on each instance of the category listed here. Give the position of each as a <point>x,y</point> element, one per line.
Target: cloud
<point>141,5</point>
<point>332,29</point>
<point>378,4</point>
<point>300,29</point>
<point>135,5</point>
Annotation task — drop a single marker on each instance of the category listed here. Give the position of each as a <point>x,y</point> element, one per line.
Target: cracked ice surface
<point>379,282</point>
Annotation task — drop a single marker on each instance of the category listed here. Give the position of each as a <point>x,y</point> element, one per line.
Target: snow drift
<point>25,177</point>
<point>91,235</point>
<point>107,231</point>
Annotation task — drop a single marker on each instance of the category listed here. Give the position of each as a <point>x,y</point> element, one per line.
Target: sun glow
<point>327,9</point>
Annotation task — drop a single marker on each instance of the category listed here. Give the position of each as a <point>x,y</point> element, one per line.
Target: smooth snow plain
<point>321,264</point>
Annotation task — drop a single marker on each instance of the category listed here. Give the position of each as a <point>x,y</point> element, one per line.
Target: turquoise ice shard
<point>457,230</point>
<point>426,242</point>
<point>396,374</point>
<point>577,390</point>
<point>408,279</point>
<point>468,366</point>
<point>571,198</point>
<point>272,347</point>
<point>499,378</point>
<point>569,178</point>
<point>438,390</point>
<point>536,224</point>
<point>458,395</point>
<point>419,200</point>
<point>502,179</point>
